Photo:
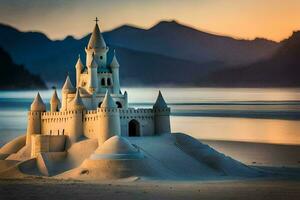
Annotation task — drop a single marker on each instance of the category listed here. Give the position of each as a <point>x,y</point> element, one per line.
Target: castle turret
<point>125,100</point>
<point>110,119</point>
<point>74,128</point>
<point>54,102</point>
<point>114,65</point>
<point>92,73</point>
<point>161,115</point>
<point>68,88</point>
<point>34,118</point>
<point>79,66</point>
<point>97,46</point>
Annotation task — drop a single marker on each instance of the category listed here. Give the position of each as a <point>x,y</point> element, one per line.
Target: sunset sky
<point>272,19</point>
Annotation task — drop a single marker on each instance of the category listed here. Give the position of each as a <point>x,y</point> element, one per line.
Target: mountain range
<point>168,53</point>
<point>15,76</point>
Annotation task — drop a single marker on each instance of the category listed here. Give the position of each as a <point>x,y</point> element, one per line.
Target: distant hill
<point>282,69</point>
<point>177,54</point>
<point>175,40</point>
<point>14,76</point>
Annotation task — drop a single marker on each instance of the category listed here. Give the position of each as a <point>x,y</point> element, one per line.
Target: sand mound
<point>12,147</point>
<point>116,148</point>
<point>170,156</point>
<point>22,155</point>
<point>207,155</point>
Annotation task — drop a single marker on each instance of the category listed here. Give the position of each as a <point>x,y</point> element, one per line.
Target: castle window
<point>103,81</point>
<point>99,105</point>
<point>119,105</point>
<point>101,57</point>
<point>109,82</point>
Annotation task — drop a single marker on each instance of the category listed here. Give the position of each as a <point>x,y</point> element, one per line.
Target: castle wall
<point>55,123</point>
<point>47,143</point>
<point>144,117</point>
<point>95,123</point>
<point>91,123</point>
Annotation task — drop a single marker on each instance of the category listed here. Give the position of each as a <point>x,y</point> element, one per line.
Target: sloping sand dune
<point>170,156</point>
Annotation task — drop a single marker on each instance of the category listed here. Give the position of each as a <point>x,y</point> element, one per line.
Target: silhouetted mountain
<point>282,69</point>
<point>179,41</point>
<point>14,76</point>
<point>167,47</point>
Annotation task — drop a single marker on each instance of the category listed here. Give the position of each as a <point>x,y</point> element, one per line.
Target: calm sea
<point>256,115</point>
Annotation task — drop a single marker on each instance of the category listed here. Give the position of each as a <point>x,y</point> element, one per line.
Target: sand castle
<point>92,133</point>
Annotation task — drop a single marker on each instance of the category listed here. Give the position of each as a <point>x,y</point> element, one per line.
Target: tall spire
<point>68,86</point>
<point>96,40</point>
<point>160,102</point>
<point>54,98</point>
<point>114,63</point>
<point>108,101</point>
<point>79,64</point>
<point>76,103</point>
<point>38,104</point>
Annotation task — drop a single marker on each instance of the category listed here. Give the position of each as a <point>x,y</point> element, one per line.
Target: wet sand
<point>238,189</point>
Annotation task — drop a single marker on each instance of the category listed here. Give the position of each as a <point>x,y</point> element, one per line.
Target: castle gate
<point>134,128</point>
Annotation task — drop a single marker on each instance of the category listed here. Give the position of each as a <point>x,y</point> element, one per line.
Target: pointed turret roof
<point>160,102</point>
<point>54,98</point>
<point>79,64</point>
<point>68,86</point>
<point>38,104</point>
<point>114,63</point>
<point>96,39</point>
<point>108,101</point>
<point>76,103</point>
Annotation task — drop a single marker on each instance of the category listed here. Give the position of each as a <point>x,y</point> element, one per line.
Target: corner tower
<point>34,118</point>
<point>161,115</point>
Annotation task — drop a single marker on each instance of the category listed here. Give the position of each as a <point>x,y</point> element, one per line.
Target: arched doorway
<point>99,105</point>
<point>133,128</point>
<point>119,105</point>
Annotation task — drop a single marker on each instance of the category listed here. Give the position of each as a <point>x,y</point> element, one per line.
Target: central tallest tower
<point>96,48</point>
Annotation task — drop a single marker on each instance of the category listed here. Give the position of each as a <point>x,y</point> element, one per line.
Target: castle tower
<point>54,102</point>
<point>110,119</point>
<point>114,65</point>
<point>34,118</point>
<point>68,88</point>
<point>79,66</point>
<point>161,115</point>
<point>74,127</point>
<point>97,46</point>
<point>92,73</point>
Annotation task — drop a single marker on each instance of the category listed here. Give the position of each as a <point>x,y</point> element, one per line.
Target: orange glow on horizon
<point>271,19</point>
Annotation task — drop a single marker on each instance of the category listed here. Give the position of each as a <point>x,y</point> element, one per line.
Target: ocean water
<point>255,115</point>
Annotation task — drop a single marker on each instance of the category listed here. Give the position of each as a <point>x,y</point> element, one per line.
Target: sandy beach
<point>57,189</point>
<point>259,154</point>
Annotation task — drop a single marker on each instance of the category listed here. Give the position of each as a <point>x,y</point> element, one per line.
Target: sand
<point>259,154</point>
<point>177,167</point>
<point>142,190</point>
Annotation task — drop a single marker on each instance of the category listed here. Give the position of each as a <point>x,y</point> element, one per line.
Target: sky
<point>247,19</point>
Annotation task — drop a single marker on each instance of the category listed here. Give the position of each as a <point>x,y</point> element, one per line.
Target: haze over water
<point>256,115</point>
